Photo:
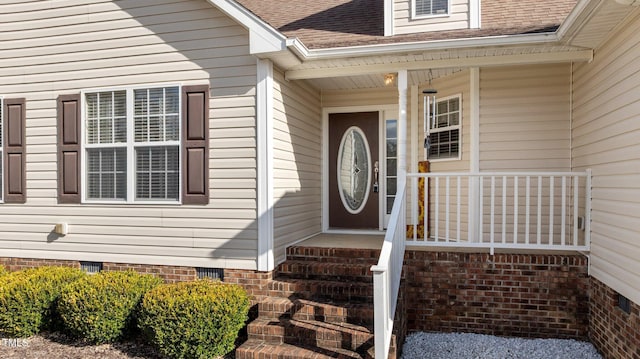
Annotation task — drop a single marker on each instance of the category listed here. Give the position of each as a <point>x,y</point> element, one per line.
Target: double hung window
<point>132,145</point>
<point>423,8</point>
<point>445,132</point>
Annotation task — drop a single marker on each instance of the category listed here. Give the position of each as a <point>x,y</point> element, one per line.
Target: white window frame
<point>130,145</point>
<point>415,16</point>
<point>449,128</point>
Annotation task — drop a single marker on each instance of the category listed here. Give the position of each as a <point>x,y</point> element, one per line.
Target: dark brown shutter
<point>195,144</point>
<point>69,149</point>
<point>15,182</point>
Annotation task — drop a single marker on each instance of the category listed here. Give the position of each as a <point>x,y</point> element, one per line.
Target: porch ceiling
<point>368,71</point>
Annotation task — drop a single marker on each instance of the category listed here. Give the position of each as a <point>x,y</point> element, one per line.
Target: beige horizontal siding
<point>297,163</point>
<point>606,134</point>
<point>403,23</point>
<point>62,47</point>
<point>525,118</point>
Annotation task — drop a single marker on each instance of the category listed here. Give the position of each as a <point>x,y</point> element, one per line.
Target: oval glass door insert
<point>354,170</point>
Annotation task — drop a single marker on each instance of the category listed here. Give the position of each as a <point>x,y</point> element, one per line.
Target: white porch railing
<point>387,273</point>
<point>516,210</point>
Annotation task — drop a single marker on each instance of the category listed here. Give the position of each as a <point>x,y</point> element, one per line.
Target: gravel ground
<point>476,346</point>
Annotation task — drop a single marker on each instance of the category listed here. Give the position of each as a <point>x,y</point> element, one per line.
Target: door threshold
<point>369,232</point>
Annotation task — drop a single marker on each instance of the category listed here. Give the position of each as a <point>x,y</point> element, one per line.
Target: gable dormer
<point>411,16</point>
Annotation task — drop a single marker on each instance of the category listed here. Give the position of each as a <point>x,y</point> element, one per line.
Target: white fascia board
<point>263,38</point>
<point>581,13</point>
<point>386,49</point>
<point>479,61</point>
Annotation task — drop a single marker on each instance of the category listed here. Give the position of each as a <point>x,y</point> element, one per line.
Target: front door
<point>353,170</point>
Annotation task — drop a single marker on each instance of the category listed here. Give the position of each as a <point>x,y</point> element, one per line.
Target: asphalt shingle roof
<point>341,23</point>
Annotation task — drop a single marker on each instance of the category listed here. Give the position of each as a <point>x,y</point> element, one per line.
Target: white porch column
<point>474,162</point>
<point>402,124</point>
<point>264,128</point>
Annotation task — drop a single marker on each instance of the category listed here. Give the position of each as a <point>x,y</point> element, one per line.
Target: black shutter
<point>69,149</point>
<point>15,190</point>
<point>195,144</point>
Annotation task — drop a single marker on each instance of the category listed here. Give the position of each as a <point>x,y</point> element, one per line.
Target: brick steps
<point>321,310</point>
<point>344,290</point>
<point>259,349</point>
<point>304,269</point>
<point>311,333</point>
<point>319,305</point>
<point>333,255</point>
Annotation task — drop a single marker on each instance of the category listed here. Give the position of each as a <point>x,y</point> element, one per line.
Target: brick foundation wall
<point>253,281</point>
<point>615,333</point>
<point>505,294</point>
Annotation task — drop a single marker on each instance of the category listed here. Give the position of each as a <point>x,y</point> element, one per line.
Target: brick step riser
<point>263,351</point>
<point>337,260</point>
<point>317,337</point>
<point>332,277</point>
<point>336,291</point>
<point>327,314</point>
<point>330,254</point>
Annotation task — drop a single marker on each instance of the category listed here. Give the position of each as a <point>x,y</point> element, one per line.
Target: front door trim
<point>325,161</point>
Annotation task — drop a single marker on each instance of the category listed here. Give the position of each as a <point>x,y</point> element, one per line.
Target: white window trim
<point>415,16</point>
<point>130,145</point>
<point>458,126</point>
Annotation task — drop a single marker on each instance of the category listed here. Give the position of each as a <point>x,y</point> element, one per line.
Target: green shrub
<point>27,298</point>
<point>100,307</point>
<point>199,319</point>
<point>3,271</point>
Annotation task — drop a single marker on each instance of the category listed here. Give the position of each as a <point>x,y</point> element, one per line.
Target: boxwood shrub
<point>3,271</point>
<point>101,307</point>
<point>28,297</point>
<point>199,319</point>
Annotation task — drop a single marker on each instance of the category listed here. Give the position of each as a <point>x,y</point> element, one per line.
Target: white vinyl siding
<point>525,118</point>
<point>606,138</point>
<point>69,46</point>
<point>406,20</point>
<point>297,163</point>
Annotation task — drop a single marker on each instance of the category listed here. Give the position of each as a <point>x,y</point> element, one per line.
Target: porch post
<point>264,149</point>
<point>402,125</point>
<point>474,162</point>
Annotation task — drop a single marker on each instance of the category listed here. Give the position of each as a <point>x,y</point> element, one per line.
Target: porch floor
<point>345,240</point>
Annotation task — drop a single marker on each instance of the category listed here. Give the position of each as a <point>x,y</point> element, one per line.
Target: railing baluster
<point>493,209</point>
<point>437,205</point>
<point>414,206</point>
<point>504,209</point>
<point>470,210</point>
<point>481,208</point>
<point>515,209</point>
<point>458,201</point>
<point>563,219</point>
<point>551,194</point>
<point>539,228</point>
<point>427,209</point>
<point>527,210</point>
<point>447,193</point>
<point>576,183</point>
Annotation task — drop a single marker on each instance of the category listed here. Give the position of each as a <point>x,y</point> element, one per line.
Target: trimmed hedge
<point>27,298</point>
<point>199,319</point>
<point>100,307</point>
<point>3,271</point>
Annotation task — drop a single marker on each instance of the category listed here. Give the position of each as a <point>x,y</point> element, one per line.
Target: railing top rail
<point>387,246</point>
<point>486,174</point>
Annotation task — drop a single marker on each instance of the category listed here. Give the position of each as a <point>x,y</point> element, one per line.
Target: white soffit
<point>598,23</point>
<point>461,58</point>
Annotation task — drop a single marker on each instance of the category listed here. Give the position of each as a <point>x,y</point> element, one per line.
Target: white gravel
<point>477,346</point>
